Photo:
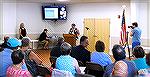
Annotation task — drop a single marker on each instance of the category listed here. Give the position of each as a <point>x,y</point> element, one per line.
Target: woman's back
<point>12,72</point>
<point>31,64</point>
<point>65,63</point>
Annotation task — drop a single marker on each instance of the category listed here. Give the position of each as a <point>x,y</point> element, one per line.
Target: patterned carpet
<point>44,56</point>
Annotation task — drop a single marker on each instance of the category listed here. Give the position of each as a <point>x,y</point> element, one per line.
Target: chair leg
<point>38,46</point>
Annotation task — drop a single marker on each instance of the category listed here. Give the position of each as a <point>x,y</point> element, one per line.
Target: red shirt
<point>12,72</point>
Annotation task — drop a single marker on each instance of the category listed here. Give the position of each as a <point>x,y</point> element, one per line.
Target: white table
<point>1,41</point>
<point>33,43</point>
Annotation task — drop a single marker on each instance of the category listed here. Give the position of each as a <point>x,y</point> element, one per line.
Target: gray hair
<point>65,48</point>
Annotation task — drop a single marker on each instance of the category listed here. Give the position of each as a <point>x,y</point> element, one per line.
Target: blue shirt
<point>140,63</point>
<point>5,61</point>
<point>132,70</point>
<point>65,62</point>
<point>101,58</point>
<point>136,34</point>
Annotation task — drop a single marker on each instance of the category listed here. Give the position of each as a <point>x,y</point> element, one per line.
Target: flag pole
<point>127,43</point>
<point>124,34</point>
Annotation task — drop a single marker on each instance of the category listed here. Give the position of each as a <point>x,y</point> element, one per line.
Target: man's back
<point>136,34</point>
<point>5,62</point>
<point>56,51</point>
<point>81,54</point>
<point>132,70</point>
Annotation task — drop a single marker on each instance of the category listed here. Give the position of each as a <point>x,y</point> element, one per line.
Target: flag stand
<point>127,45</point>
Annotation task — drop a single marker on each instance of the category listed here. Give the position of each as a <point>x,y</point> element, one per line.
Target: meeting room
<point>74,38</point>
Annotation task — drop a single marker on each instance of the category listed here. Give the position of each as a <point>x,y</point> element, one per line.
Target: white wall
<point>1,25</point>
<point>142,18</point>
<point>30,14</point>
<point>77,13</point>
<point>9,18</point>
<point>140,13</point>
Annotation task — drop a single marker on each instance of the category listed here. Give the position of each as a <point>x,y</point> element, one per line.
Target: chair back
<point>53,61</point>
<point>83,75</point>
<point>43,71</point>
<point>40,44</point>
<point>94,69</point>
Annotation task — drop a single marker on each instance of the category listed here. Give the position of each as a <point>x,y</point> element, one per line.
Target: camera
<point>131,27</point>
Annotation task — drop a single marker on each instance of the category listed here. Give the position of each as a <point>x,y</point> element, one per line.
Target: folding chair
<point>53,61</point>
<point>83,75</point>
<point>61,73</point>
<point>40,44</point>
<point>94,69</point>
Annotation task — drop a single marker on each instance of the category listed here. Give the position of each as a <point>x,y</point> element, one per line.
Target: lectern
<point>70,38</point>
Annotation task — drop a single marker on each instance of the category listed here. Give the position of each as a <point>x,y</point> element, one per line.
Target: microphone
<point>87,28</point>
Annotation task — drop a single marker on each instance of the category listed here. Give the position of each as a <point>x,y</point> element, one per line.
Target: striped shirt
<point>12,72</point>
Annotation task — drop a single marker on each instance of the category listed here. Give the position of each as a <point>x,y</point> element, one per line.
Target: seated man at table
<point>44,38</point>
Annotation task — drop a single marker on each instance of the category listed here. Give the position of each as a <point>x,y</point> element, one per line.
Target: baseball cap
<point>13,42</point>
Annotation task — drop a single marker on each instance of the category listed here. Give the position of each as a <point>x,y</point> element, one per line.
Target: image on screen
<point>51,13</point>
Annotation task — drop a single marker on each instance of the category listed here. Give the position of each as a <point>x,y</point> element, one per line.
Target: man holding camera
<point>136,34</point>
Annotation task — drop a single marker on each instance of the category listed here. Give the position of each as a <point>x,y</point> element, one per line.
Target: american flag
<point>123,30</point>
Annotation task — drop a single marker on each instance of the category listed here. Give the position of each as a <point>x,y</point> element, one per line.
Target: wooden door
<point>99,29</point>
<point>89,23</point>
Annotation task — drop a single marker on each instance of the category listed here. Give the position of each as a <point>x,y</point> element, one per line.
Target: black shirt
<point>42,36</point>
<point>81,54</point>
<point>23,33</point>
<point>56,52</point>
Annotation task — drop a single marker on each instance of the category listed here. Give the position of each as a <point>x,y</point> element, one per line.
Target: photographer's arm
<point>131,34</point>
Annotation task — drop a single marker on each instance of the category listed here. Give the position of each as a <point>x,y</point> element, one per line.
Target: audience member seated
<point>5,55</point>
<point>148,59</point>
<point>31,59</point>
<point>15,70</point>
<point>145,72</point>
<point>119,54</point>
<point>120,69</point>
<point>56,52</point>
<point>99,56</point>
<point>140,61</point>
<point>80,52</point>
<point>65,61</point>
<point>4,44</point>
<point>44,38</point>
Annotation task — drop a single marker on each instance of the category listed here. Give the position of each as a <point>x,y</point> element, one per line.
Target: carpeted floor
<point>44,56</point>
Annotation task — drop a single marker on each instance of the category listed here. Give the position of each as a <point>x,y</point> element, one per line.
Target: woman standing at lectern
<point>74,30</point>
